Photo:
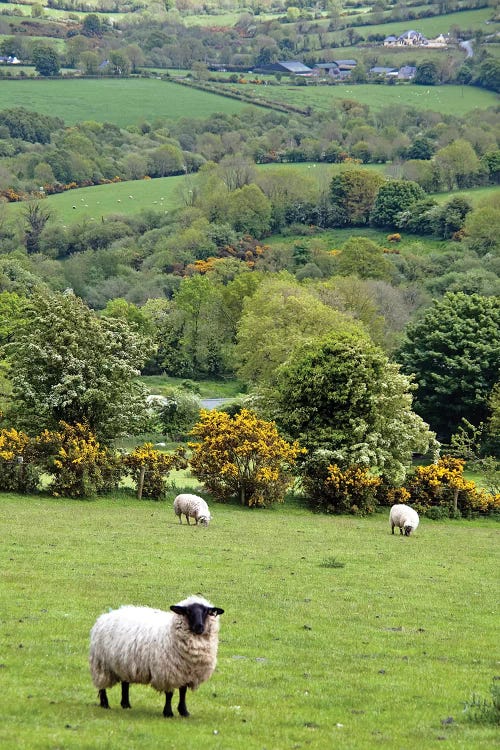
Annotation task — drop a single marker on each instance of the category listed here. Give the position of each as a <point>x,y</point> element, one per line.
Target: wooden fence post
<point>141,482</point>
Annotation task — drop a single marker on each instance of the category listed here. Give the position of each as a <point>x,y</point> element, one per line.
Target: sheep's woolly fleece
<point>403,516</point>
<point>192,506</point>
<point>150,646</point>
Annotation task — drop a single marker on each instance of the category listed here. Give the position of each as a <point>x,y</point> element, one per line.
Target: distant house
<point>383,72</point>
<point>406,73</point>
<point>410,38</point>
<point>287,67</point>
<point>336,69</point>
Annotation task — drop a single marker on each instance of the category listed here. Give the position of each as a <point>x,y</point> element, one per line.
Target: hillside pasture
<point>449,100</point>
<point>335,633</point>
<point>94,203</point>
<point>123,102</point>
<point>164,194</point>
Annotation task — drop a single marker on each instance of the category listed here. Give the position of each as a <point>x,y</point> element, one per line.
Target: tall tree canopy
<point>280,314</point>
<point>342,395</point>
<point>67,364</point>
<point>454,352</point>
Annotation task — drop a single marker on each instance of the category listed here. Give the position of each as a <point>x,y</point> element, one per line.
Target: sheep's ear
<point>216,611</point>
<point>178,610</point>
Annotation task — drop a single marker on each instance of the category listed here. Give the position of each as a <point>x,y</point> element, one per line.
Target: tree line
<point>333,409</point>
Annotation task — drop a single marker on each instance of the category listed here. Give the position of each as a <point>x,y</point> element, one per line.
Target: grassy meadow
<point>122,101</point>
<point>449,100</point>
<point>164,193</point>
<point>335,633</point>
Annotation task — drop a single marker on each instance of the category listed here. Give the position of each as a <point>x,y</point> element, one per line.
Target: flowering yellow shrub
<point>442,484</point>
<point>242,456</point>
<point>79,465</point>
<point>149,469</point>
<point>18,473</point>
<point>352,490</point>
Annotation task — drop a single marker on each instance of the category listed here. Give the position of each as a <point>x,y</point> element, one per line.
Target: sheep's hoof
<point>168,714</point>
<point>183,711</point>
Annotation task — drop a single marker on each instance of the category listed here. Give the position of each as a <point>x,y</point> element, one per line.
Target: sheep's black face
<point>408,530</point>
<point>196,615</point>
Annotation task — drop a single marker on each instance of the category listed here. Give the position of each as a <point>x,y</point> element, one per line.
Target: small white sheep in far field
<point>167,650</point>
<point>192,506</point>
<point>405,518</point>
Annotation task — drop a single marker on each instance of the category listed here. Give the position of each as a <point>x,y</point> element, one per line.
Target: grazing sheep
<point>167,650</point>
<point>404,517</point>
<point>194,507</point>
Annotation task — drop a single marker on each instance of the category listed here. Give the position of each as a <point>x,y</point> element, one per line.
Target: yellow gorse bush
<point>18,473</point>
<point>242,456</point>
<point>442,484</point>
<point>147,465</point>
<point>79,465</point>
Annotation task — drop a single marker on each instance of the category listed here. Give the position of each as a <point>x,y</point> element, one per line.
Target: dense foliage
<point>242,457</point>
<point>454,352</point>
<point>67,364</point>
<point>341,394</point>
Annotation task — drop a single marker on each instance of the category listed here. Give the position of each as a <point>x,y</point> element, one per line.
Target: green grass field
<point>93,203</point>
<point>335,633</point>
<point>452,100</point>
<point>96,202</point>
<point>123,102</point>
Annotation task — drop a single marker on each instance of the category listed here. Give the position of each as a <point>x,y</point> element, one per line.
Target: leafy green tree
<point>392,198</point>
<point>488,74</point>
<point>454,353</point>
<point>119,63</point>
<point>249,210</point>
<point>165,160</point>
<point>362,257</point>
<point>420,148</point>
<point>280,314</point>
<point>426,74</point>
<point>447,219</point>
<point>341,394</point>
<point>67,364</point>
<point>458,164</point>
<point>92,25</point>
<point>201,335</point>
<point>353,194</point>
<point>491,161</point>
<point>90,63</point>
<point>46,61</point>
<point>482,229</point>
<point>36,217</point>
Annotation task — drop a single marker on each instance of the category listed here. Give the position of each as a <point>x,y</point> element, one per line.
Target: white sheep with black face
<point>404,517</point>
<point>167,650</point>
<point>192,506</point>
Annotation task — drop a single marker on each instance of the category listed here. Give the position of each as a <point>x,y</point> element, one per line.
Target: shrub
<point>330,489</point>
<point>149,469</point>
<point>80,467</point>
<point>242,456</point>
<point>18,473</point>
<point>442,484</point>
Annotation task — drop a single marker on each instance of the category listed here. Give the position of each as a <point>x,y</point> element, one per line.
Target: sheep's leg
<point>182,708</point>
<point>125,703</point>
<point>167,711</point>
<point>103,699</point>
<point>392,527</point>
<point>400,530</point>
<point>187,519</point>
